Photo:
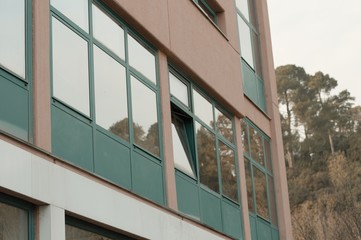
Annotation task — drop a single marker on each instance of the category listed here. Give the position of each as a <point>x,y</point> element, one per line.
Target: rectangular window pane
<point>244,136</point>
<point>203,109</point>
<point>267,149</point>
<point>224,125</point>
<point>141,59</point>
<point>242,6</point>
<point>77,11</point>
<point>256,54</point>
<point>110,94</point>
<point>206,148</point>
<point>145,121</point>
<point>70,67</point>
<point>13,223</point>
<point>245,41</point>
<point>256,141</point>
<point>12,40</point>
<point>261,193</point>
<point>74,233</point>
<point>272,201</point>
<point>229,171</point>
<point>249,184</point>
<point>107,32</point>
<point>178,89</point>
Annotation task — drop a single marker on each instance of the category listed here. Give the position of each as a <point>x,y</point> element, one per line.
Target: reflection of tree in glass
<point>261,193</point>
<point>121,129</point>
<point>224,126</point>
<point>256,142</point>
<point>249,185</point>
<point>74,233</point>
<point>244,138</point>
<point>13,223</point>
<point>206,148</point>
<point>228,169</point>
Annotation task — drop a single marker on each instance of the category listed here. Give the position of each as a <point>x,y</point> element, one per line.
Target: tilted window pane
<point>178,89</point>
<point>203,109</point>
<point>229,171</point>
<point>145,122</point>
<point>74,233</point>
<point>272,200</point>
<point>141,59</point>
<point>245,144</point>
<point>249,184</point>
<point>107,32</point>
<point>242,6</point>
<point>256,141</point>
<point>224,125</point>
<point>12,40</point>
<point>110,94</point>
<point>245,41</point>
<point>77,11</point>
<point>13,223</point>
<point>261,193</point>
<point>181,149</point>
<point>70,67</point>
<point>206,149</point>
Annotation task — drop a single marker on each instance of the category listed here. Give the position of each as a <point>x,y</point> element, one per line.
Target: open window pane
<point>261,193</point>
<point>145,122</point>
<point>13,223</point>
<point>77,11</point>
<point>181,147</point>
<point>12,40</point>
<point>110,94</point>
<point>141,59</point>
<point>107,32</point>
<point>70,67</point>
<point>229,171</point>
<point>224,125</point>
<point>74,233</point>
<point>203,109</point>
<point>206,148</point>
<point>256,141</point>
<point>245,41</point>
<point>249,184</point>
<point>178,89</point>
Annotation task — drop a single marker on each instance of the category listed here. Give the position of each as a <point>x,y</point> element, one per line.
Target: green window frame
<point>27,209</point>
<point>249,43</point>
<point>259,174</point>
<point>207,9</point>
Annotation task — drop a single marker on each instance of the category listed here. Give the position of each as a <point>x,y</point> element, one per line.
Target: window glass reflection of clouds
<point>12,40</point>
<point>242,5</point>
<point>245,41</point>
<point>178,89</point>
<point>203,109</point>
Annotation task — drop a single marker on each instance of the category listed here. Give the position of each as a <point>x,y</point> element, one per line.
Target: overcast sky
<point>319,35</point>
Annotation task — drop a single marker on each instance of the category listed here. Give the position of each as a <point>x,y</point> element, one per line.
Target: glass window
<point>77,11</point>
<point>74,233</point>
<point>260,189</point>
<point>247,168</point>
<point>224,125</point>
<point>256,140</point>
<point>70,67</point>
<point>272,200</point>
<point>145,122</point>
<point>206,148</point>
<point>267,153</point>
<point>141,59</point>
<point>110,94</point>
<point>181,147</point>
<point>12,40</point>
<point>14,223</point>
<point>245,41</point>
<point>107,32</point>
<point>228,171</point>
<point>242,6</point>
<point>245,144</point>
<point>178,89</point>
<point>203,109</point>
<point>208,10</point>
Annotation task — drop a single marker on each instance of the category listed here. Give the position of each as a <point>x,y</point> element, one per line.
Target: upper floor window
<point>209,8</point>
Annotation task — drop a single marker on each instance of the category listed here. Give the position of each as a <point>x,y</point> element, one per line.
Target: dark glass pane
<point>145,120</point>
<point>261,193</point>
<point>229,171</point>
<point>111,105</point>
<point>206,148</point>
<point>267,152</point>
<point>224,125</point>
<point>244,136</point>
<point>74,233</point>
<point>206,9</point>
<point>256,141</point>
<point>13,223</point>
<point>12,40</point>
<point>272,200</point>
<point>247,169</point>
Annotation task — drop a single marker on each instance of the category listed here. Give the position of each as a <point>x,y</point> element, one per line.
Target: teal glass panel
<point>147,178</point>
<point>13,223</point>
<point>249,83</point>
<point>231,216</point>
<point>264,230</point>
<point>12,40</point>
<point>74,233</point>
<point>211,210</point>
<point>14,114</point>
<point>77,11</point>
<point>261,96</point>
<point>112,160</point>
<point>72,139</point>
<point>253,225</point>
<point>187,196</point>
<point>275,234</point>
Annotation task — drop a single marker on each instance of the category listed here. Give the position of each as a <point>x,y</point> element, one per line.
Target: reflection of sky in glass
<point>15,222</point>
<point>178,89</point>
<point>224,125</point>
<point>107,32</point>
<point>242,5</point>
<point>228,170</point>
<point>203,109</point>
<point>77,11</point>
<point>110,90</point>
<point>70,67</point>
<point>245,39</point>
<point>12,40</point>
<point>141,59</point>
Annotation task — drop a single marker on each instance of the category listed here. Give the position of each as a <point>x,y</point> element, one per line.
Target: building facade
<point>139,120</point>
